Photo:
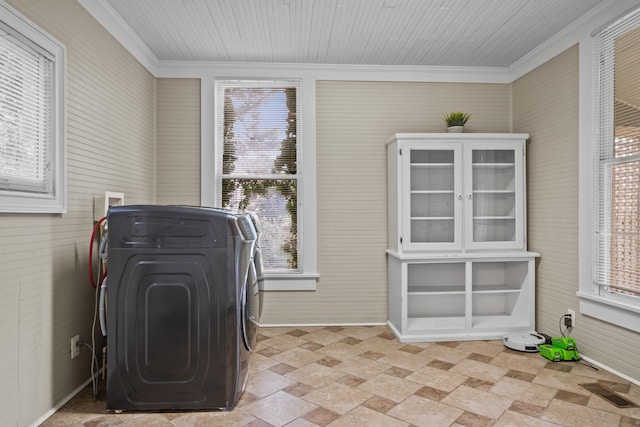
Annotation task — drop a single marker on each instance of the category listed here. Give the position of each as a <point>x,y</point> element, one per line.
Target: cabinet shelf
<point>431,191</point>
<point>431,218</point>
<point>495,289</point>
<point>493,192</point>
<point>493,217</point>
<point>458,268</point>
<point>432,165</point>
<point>494,165</point>
<point>434,290</point>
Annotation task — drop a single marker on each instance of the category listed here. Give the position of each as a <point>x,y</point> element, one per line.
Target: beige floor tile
<point>324,337</point>
<point>363,332</point>
<point>511,419</point>
<point>406,360</point>
<point>378,345</point>
<point>341,351</point>
<point>274,332</point>
<point>338,398</point>
<point>321,416</point>
<point>424,412</point>
<point>562,380</point>
<point>362,367</point>
<point>520,363</point>
<point>531,393</point>
<point>479,370</point>
<point>379,404</point>
<point>445,353</point>
<point>264,383</point>
<point>365,417</point>
<point>572,415</point>
<point>587,372</point>
<point>279,408</point>
<point>478,401</point>
<point>437,378</point>
<point>301,422</point>
<point>315,375</point>
<point>600,403</point>
<point>212,419</point>
<point>396,389</point>
<point>487,348</point>
<point>297,357</point>
<point>260,363</point>
<point>283,342</point>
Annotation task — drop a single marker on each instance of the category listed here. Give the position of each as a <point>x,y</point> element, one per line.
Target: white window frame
<point>55,201</point>
<point>307,277</point>
<point>612,307</point>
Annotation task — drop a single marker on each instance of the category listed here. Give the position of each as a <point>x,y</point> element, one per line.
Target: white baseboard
<point>319,325</point>
<point>613,371</point>
<point>60,404</point>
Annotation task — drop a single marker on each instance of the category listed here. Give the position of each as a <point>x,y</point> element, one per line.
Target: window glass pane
<point>258,169</point>
<point>275,202</point>
<point>260,130</point>
<point>26,119</point>
<point>624,256</point>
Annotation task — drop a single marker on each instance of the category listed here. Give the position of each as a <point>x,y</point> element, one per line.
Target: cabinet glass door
<point>433,196</point>
<point>494,197</point>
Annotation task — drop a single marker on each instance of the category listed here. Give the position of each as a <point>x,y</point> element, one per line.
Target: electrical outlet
<point>75,348</point>
<point>573,317</point>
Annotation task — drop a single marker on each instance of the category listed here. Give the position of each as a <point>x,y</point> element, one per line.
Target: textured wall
<point>178,141</point>
<point>354,121</point>
<point>545,104</point>
<point>45,298</point>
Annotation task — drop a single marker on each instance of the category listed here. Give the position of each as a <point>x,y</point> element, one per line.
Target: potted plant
<point>456,120</point>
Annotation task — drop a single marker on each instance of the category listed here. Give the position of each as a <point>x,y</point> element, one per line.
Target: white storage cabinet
<point>457,261</point>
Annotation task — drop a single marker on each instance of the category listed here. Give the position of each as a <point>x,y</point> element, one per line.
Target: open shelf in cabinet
<point>499,294</point>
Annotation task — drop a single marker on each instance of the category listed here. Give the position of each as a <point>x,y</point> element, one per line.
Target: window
<point>31,117</point>
<point>258,162</point>
<point>616,275</point>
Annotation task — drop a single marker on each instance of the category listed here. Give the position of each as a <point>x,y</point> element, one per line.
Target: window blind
<point>26,123</point>
<point>257,159</point>
<point>617,168</point>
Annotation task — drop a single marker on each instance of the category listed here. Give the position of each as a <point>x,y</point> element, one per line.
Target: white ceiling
<point>485,33</point>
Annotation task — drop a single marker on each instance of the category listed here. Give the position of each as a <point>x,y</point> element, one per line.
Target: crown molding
<point>106,15</point>
<point>583,27</point>
<point>397,73</point>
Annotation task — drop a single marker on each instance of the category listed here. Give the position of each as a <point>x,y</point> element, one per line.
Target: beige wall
<point>354,121</point>
<point>45,297</point>
<point>111,115</point>
<point>545,104</point>
<point>178,141</point>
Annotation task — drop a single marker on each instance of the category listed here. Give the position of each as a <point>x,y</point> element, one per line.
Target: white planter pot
<point>455,129</point>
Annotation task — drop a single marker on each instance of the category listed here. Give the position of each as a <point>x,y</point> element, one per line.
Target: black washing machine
<point>182,313</point>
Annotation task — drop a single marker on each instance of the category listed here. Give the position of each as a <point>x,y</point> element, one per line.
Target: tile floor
<point>362,376</point>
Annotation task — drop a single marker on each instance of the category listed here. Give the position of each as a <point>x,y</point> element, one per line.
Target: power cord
<point>563,321</point>
<point>94,366</point>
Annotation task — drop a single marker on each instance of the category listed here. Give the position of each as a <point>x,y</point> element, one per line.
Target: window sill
<point>615,312</point>
<point>289,282</point>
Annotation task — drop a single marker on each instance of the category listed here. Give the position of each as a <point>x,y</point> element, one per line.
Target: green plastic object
<point>550,352</point>
<point>566,343</point>
<point>560,349</point>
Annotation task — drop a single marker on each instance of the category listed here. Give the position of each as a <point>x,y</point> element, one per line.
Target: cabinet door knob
<point>469,196</point>
<point>459,196</point>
